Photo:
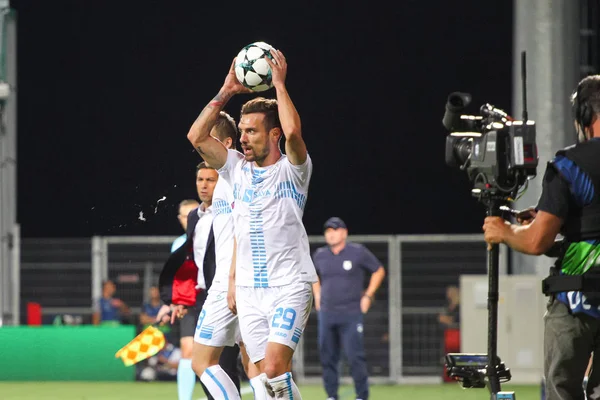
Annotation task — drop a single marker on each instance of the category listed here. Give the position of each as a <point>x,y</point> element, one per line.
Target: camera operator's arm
<point>527,216</point>
<point>535,238</point>
<point>538,236</point>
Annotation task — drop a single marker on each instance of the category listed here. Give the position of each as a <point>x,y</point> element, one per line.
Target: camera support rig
<point>518,164</point>
<point>485,370</point>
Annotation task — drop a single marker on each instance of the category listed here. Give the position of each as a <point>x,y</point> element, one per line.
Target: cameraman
<point>570,205</point>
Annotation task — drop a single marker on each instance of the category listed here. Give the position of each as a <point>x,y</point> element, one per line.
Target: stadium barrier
<point>64,353</point>
<point>403,337</point>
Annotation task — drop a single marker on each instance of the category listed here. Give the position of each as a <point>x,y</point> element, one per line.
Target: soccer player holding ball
<point>274,270</point>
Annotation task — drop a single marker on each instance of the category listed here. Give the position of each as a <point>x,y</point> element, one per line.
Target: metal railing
<point>403,338</point>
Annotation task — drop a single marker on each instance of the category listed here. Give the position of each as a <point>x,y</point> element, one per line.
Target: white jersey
<point>272,244</point>
<point>223,232</point>
<point>200,241</point>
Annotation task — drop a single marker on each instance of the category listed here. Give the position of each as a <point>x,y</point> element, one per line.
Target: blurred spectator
<point>184,209</point>
<point>108,310</point>
<point>163,366</point>
<point>450,318</point>
<point>150,309</point>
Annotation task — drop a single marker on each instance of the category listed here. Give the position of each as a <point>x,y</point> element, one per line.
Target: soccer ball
<point>251,67</point>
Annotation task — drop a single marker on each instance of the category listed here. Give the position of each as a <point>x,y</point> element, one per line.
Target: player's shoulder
<point>221,188</point>
<point>302,171</point>
<point>235,157</point>
<point>234,154</point>
<point>284,158</point>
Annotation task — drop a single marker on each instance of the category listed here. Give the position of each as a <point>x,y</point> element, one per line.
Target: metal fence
<point>403,338</point>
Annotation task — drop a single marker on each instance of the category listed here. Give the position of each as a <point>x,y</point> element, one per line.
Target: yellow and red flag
<point>143,346</point>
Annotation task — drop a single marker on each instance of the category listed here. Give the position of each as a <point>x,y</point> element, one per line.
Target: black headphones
<point>582,110</point>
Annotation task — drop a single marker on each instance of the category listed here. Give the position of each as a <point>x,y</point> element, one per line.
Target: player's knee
<point>275,367</point>
<point>204,357</point>
<point>187,346</point>
<point>199,365</point>
<point>186,353</point>
<point>277,359</point>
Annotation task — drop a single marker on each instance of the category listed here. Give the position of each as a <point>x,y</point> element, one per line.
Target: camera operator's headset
<point>582,111</point>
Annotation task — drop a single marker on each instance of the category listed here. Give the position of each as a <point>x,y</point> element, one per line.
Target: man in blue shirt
<point>151,308</point>
<point>341,300</point>
<point>108,310</point>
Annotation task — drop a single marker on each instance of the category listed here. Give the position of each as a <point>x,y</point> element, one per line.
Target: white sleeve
<point>227,171</point>
<point>301,173</point>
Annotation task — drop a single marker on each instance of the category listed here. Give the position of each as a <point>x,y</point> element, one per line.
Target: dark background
<point>108,90</point>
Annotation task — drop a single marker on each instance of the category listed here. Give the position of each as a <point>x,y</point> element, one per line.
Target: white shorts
<point>217,326</point>
<point>272,314</point>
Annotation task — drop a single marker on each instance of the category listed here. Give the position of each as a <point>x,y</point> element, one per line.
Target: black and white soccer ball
<point>252,69</point>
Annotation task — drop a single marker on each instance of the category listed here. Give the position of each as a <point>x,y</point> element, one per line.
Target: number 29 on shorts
<point>284,318</point>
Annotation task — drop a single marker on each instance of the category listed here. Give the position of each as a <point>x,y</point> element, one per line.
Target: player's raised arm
<point>295,148</point>
<point>211,149</point>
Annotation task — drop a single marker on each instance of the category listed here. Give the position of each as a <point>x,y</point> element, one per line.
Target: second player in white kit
<point>217,325</point>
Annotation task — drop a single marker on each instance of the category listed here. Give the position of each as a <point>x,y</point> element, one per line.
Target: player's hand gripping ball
<point>251,68</point>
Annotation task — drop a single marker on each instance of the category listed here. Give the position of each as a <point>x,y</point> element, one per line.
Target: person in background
<point>184,210</point>
<point>151,308</point>
<point>342,301</point>
<point>450,318</point>
<point>569,205</point>
<point>450,321</point>
<point>184,282</point>
<point>109,310</point>
<point>163,366</point>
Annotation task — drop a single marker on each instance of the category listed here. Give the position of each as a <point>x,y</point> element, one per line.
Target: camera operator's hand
<point>495,230</point>
<point>527,216</point>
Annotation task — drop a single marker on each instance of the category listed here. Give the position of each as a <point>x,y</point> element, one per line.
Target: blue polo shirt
<point>342,276</point>
<point>150,310</point>
<point>108,312</point>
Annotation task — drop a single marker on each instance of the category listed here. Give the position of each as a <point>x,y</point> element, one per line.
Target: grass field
<point>165,391</point>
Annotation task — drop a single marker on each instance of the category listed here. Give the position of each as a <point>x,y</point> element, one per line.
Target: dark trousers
<point>229,363</point>
<point>343,331</point>
<point>569,339</point>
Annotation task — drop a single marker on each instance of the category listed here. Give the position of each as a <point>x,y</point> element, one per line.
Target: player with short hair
<point>190,273</point>
<point>274,270</point>
<point>217,325</point>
